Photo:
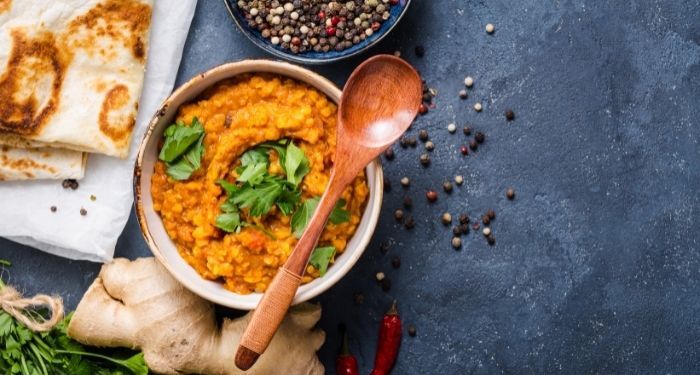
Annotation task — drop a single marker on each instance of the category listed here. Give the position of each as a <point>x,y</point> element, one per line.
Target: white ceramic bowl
<point>152,227</point>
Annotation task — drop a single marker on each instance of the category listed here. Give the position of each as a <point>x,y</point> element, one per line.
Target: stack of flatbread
<point>71,73</point>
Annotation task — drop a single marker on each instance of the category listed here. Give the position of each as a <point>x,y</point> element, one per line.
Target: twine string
<point>24,309</point>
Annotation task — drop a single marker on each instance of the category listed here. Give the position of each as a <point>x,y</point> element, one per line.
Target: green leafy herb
<point>258,199</point>
<point>230,221</point>
<point>302,216</point>
<point>255,156</point>
<point>183,149</point>
<point>321,258</point>
<point>253,173</point>
<point>296,165</point>
<point>178,138</point>
<point>5,263</point>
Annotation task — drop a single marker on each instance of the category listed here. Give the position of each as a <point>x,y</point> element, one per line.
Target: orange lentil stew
<point>240,173</point>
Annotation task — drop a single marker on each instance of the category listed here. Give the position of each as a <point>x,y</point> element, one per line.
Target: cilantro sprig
<point>302,216</point>
<point>321,258</point>
<point>183,149</point>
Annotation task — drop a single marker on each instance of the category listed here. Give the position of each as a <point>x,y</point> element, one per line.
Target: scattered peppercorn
<point>359,298</point>
<point>446,218</point>
<point>412,141</point>
<point>412,330</point>
<point>389,154</point>
<point>380,276</point>
<point>93,198</point>
<point>409,223</point>
<point>457,230</point>
<point>463,94</point>
<point>432,195</point>
<point>473,144</point>
<point>476,226</point>
<point>490,28</point>
<point>510,115</point>
<point>459,180</point>
<point>464,228</point>
<point>70,184</point>
<point>491,213</point>
<point>420,51</point>
<point>405,182</point>
<point>430,146</point>
<point>467,130</point>
<point>479,137</point>
<point>478,107</point>
<point>83,211</point>
<point>485,219</point>
<point>423,109</point>
<point>469,81</point>
<point>491,239</point>
<point>510,193</point>
<point>403,141</point>
<point>464,219</point>
<point>423,135</point>
<point>407,202</point>
<point>464,150</point>
<point>386,285</point>
<point>387,184</point>
<point>456,242</point>
<point>398,215</point>
<point>53,208</point>
<point>425,160</point>
<point>447,186</point>
<point>396,262</point>
<point>486,231</point>
<point>451,128</point>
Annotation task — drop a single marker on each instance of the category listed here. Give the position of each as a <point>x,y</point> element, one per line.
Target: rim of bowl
<point>266,46</point>
<point>232,299</point>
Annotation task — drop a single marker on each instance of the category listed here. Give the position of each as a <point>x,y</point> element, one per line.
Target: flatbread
<point>72,72</point>
<point>42,163</point>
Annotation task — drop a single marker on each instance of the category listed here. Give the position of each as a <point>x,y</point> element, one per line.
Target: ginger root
<point>139,305</point>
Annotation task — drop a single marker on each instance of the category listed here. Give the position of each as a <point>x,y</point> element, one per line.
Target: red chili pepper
<point>346,364</point>
<point>389,342</point>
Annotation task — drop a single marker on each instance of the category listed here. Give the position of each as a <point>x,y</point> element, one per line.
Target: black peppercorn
<point>420,51</point>
<point>485,219</point>
<point>384,247</point>
<point>510,193</point>
<point>53,208</point>
<point>473,144</point>
<point>457,230</point>
<point>412,330</point>
<point>425,160</point>
<point>403,141</point>
<point>398,215</point>
<point>389,154</point>
<point>83,211</point>
<point>467,130</point>
<point>447,186</point>
<point>491,213</point>
<point>432,195</point>
<point>491,239</point>
<point>464,219</point>
<point>409,223</point>
<point>423,135</point>
<point>480,137</point>
<point>412,141</point>
<point>510,115</point>
<point>407,202</point>
<point>464,228</point>
<point>386,284</point>
<point>396,262</point>
<point>387,184</point>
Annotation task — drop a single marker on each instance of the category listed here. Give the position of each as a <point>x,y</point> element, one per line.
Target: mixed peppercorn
<point>316,25</point>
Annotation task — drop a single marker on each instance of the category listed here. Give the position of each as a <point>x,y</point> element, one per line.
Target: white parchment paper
<point>25,214</point>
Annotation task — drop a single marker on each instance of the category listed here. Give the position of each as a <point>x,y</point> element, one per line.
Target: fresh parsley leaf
<point>184,166</point>
<point>288,200</point>
<point>280,147</point>
<point>302,216</point>
<point>255,156</point>
<point>178,138</point>
<point>321,258</point>
<point>227,186</point>
<point>260,198</point>
<point>253,173</point>
<point>339,214</point>
<point>296,165</point>
<point>229,222</point>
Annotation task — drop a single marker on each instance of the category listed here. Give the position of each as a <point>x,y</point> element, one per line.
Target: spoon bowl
<point>379,102</point>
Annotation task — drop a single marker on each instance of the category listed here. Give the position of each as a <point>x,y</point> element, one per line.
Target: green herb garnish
<point>302,216</point>
<point>183,149</point>
<point>321,258</point>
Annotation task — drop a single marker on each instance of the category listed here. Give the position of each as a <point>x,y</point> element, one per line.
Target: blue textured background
<point>596,265</point>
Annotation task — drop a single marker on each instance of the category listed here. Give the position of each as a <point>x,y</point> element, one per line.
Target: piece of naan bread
<point>71,72</point>
<point>40,163</point>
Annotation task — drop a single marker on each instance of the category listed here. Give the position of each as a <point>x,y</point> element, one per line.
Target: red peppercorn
<point>393,2</point>
<point>464,150</point>
<point>432,195</point>
<point>296,41</point>
<point>321,14</point>
<point>375,26</point>
<point>335,20</point>
<point>330,30</point>
<point>423,109</point>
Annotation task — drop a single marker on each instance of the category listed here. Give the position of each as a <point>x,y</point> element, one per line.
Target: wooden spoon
<point>379,102</point>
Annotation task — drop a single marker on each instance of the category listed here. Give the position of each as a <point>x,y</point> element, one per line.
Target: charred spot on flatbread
<point>25,165</point>
<point>30,86</point>
<point>116,119</point>
<point>5,5</point>
<point>125,21</point>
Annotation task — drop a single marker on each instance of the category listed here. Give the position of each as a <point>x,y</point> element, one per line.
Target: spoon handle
<point>280,293</point>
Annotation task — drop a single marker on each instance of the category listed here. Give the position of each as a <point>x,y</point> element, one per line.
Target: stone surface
<point>596,262</point>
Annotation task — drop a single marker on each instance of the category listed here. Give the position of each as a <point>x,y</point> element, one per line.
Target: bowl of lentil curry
<point>229,173</point>
<point>316,31</point>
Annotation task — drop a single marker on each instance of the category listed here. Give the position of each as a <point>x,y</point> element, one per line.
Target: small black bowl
<point>312,57</point>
